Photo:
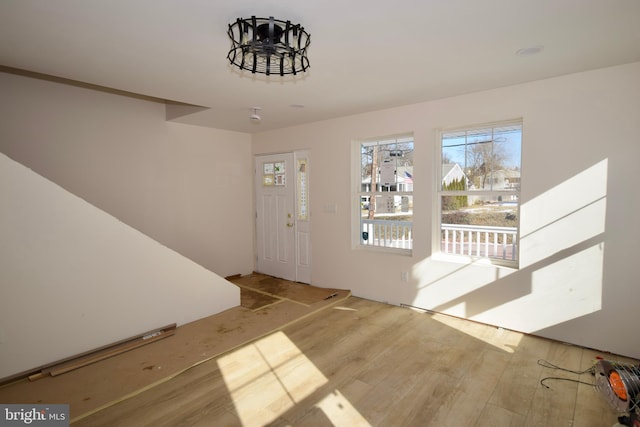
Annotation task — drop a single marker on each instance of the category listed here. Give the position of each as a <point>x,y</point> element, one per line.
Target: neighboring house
<point>404,181</point>
<point>451,172</point>
<point>503,179</point>
<point>506,179</point>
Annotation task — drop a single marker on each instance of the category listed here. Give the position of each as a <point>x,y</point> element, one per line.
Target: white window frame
<point>437,252</point>
<point>357,193</point>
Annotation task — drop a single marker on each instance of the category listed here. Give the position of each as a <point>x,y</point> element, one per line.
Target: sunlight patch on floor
<point>268,377</point>
<point>500,338</point>
<point>344,308</point>
<point>341,412</point>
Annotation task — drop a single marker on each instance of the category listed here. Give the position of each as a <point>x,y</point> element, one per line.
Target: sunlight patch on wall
<point>459,309</point>
<point>561,291</point>
<point>442,283</point>
<point>561,269</point>
<point>564,216</point>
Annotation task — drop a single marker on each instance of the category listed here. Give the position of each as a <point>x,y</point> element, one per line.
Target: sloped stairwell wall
<point>74,278</point>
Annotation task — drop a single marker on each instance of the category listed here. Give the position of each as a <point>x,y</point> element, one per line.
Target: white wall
<point>185,186</point>
<point>580,236</point>
<point>73,278</point>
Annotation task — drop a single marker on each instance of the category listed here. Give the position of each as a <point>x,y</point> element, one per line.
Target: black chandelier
<point>268,46</point>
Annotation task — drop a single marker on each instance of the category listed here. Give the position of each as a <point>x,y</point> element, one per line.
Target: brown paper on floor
<point>292,291</point>
<point>256,300</point>
<point>105,383</point>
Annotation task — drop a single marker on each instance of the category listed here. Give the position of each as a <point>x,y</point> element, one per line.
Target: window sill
<point>382,249</point>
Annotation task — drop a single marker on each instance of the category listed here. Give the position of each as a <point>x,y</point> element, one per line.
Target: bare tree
<point>483,158</point>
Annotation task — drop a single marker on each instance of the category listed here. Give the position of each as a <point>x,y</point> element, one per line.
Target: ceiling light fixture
<point>255,117</point>
<point>268,46</point>
<point>528,51</point>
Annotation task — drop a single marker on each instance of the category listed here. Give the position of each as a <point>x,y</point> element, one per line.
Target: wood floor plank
<point>496,416</point>
<point>362,363</point>
<point>425,401</point>
<point>475,388</point>
<point>207,394</point>
<point>401,383</point>
<point>555,405</point>
<point>518,383</point>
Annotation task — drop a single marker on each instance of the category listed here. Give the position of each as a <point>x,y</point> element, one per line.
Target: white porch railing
<point>386,233</point>
<point>480,241</point>
<point>471,240</point>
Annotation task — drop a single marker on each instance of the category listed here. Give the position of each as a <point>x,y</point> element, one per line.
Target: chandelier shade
<point>268,46</point>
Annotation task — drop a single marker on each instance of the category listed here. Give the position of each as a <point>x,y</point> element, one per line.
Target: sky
<point>508,139</point>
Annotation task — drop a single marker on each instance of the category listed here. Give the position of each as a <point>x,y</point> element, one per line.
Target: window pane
<point>390,224</point>
<point>387,207</point>
<point>386,201</point>
<point>507,144</point>
<point>486,159</point>
<point>387,166</point>
<point>453,158</point>
<point>480,226</point>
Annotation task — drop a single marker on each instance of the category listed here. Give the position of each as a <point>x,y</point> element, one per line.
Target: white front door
<point>282,216</point>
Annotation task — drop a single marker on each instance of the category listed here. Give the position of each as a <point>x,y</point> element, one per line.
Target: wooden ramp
<point>91,388</point>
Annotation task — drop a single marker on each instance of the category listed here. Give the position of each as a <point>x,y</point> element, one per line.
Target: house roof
<point>448,167</point>
<point>364,56</point>
<point>451,172</point>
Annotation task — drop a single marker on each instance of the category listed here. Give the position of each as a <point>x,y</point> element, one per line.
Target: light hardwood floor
<point>362,363</point>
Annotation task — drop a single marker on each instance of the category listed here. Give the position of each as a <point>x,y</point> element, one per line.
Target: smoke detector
<point>255,117</point>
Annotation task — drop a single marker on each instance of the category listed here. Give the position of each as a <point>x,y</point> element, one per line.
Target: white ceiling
<point>364,55</point>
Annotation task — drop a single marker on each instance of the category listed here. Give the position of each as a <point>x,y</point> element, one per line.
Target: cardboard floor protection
<point>102,384</point>
<point>255,300</point>
<point>284,289</point>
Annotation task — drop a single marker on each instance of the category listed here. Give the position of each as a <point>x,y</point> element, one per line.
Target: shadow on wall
<point>561,264</point>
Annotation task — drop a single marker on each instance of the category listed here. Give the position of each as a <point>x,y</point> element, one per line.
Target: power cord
<point>547,364</point>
